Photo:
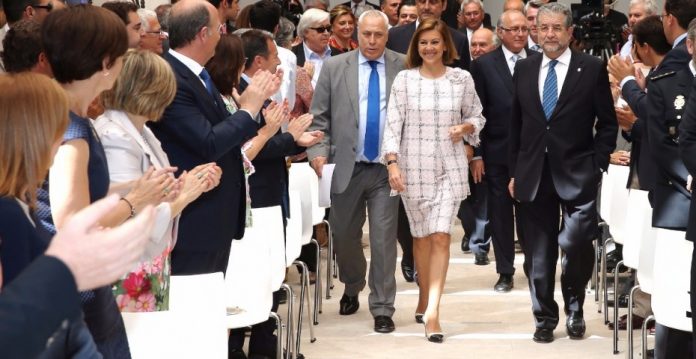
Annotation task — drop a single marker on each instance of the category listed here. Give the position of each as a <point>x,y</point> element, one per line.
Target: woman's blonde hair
<point>33,117</point>
<point>145,87</point>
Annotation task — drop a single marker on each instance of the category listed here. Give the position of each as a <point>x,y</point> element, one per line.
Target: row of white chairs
<point>202,308</point>
<point>660,257</point>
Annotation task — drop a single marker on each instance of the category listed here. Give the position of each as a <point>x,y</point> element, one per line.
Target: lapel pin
<point>579,69</point>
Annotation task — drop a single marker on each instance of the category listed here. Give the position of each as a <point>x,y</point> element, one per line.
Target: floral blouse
<point>145,289</point>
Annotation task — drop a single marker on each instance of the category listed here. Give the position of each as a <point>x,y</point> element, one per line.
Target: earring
<point>107,73</point>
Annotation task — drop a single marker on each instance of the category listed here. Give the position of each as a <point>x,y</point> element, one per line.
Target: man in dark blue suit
<point>196,128</point>
<point>492,75</point>
<point>400,36</point>
<point>562,131</point>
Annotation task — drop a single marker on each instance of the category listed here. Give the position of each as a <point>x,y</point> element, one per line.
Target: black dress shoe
<point>465,245</point>
<point>505,283</point>
<point>348,305</point>
<point>384,324</point>
<point>419,318</point>
<point>575,325</point>
<point>481,259</point>
<point>543,335</point>
<point>407,271</point>
<point>236,354</point>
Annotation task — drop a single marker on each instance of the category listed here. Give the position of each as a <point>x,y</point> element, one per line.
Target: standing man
<point>196,128</point>
<point>556,163</point>
<point>391,9</point>
<point>531,9</point>
<point>471,14</point>
<point>482,42</point>
<point>128,13</point>
<point>492,75</point>
<point>359,6</point>
<point>400,36</point>
<point>407,12</point>
<point>638,10</point>
<point>350,106</point>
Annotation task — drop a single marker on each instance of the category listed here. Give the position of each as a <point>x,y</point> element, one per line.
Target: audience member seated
<point>23,50</point>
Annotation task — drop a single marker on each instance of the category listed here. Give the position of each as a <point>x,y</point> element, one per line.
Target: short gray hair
<point>649,6</point>
<point>496,40</point>
<point>374,13</point>
<point>554,8</point>
<point>145,16</point>
<point>535,4</point>
<point>506,14</point>
<point>691,31</point>
<point>311,4</point>
<point>311,18</point>
<point>285,31</point>
<point>467,2</point>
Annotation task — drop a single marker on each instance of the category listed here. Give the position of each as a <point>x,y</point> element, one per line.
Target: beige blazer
<point>129,153</point>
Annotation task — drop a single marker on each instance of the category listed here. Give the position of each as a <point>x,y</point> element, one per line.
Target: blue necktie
<point>371,148</point>
<point>208,82</point>
<point>550,90</point>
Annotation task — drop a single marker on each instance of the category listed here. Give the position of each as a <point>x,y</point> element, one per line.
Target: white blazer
<point>129,154</point>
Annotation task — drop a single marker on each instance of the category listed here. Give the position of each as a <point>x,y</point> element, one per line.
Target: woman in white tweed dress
<point>432,108</point>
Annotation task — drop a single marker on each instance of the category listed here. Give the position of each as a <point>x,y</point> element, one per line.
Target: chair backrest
<point>293,240</point>
<point>256,262</point>
<point>317,211</point>
<point>194,326</point>
<point>638,212</point>
<point>670,299</point>
<point>619,202</point>
<point>300,181</point>
<point>646,260</point>
<point>605,196</point>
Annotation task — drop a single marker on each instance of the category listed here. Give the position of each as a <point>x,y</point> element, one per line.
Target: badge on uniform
<point>679,102</point>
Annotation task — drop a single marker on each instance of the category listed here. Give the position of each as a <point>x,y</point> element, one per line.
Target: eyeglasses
<point>516,30</point>
<point>48,6</point>
<point>555,29</point>
<point>156,33</point>
<point>321,29</point>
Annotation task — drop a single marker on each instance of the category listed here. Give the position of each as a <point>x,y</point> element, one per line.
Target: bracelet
<point>391,162</point>
<point>132,209</point>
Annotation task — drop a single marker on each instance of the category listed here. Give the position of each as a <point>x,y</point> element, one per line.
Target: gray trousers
<point>368,187</point>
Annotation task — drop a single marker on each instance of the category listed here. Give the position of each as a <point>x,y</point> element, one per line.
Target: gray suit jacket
<point>335,108</point>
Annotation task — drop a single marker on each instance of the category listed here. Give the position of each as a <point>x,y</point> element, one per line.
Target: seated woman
<point>131,150</point>
<point>32,123</point>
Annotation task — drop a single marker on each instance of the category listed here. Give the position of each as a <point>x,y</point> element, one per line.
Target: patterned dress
<point>435,170</point>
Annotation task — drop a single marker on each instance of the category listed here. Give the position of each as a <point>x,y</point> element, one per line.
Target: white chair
<point>194,326</point>
<point>645,274</point>
<point>670,297</point>
<point>255,270</point>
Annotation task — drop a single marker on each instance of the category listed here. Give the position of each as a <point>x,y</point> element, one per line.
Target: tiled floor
<point>478,322</point>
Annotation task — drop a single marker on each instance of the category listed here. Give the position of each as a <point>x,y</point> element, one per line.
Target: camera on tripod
<point>595,33</point>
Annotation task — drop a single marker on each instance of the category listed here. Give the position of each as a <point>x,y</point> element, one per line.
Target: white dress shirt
<point>364,71</point>
<point>190,63</point>
<point>626,48</point>
<point>3,32</point>
<point>509,57</point>
<point>531,44</point>
<point>317,60</point>
<point>561,72</point>
<point>679,38</point>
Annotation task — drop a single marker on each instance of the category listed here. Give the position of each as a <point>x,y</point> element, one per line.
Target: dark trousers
<point>262,340</point>
<point>542,237</point>
<point>672,343</point>
<point>501,208</point>
<point>186,262</point>
<point>692,294</point>
<point>473,212</point>
<point>403,235</point>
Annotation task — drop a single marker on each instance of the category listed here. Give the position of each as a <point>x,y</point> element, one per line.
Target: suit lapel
<point>122,121</point>
<point>391,70</point>
<point>535,63</point>
<point>351,81</point>
<point>502,67</point>
<point>195,82</point>
<point>571,79</point>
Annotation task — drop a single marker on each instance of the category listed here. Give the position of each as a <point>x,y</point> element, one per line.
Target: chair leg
<point>279,333</point>
<point>317,285</point>
<point>329,261</point>
<point>605,288</point>
<point>304,288</point>
<point>644,335</point>
<point>291,303</point>
<point>616,307</point>
<point>629,322</point>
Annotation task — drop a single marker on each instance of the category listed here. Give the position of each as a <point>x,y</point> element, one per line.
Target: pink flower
<point>145,303</point>
<point>136,284</point>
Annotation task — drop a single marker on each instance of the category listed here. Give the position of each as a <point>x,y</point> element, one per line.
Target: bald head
<point>482,42</point>
<point>514,5</point>
<point>194,29</point>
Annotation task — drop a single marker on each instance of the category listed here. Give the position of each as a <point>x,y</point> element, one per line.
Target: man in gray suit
<point>350,106</point>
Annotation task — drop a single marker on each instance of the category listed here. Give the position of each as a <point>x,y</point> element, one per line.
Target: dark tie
<point>372,124</point>
<point>550,90</point>
<point>208,82</point>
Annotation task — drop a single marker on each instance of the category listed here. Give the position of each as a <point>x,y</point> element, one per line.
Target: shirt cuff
<point>625,80</point>
<point>476,158</point>
<point>253,117</point>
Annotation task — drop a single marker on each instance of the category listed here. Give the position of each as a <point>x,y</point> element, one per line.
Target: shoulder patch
<point>662,76</point>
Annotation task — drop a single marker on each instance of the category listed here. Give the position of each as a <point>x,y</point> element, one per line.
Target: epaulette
<point>663,75</point>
